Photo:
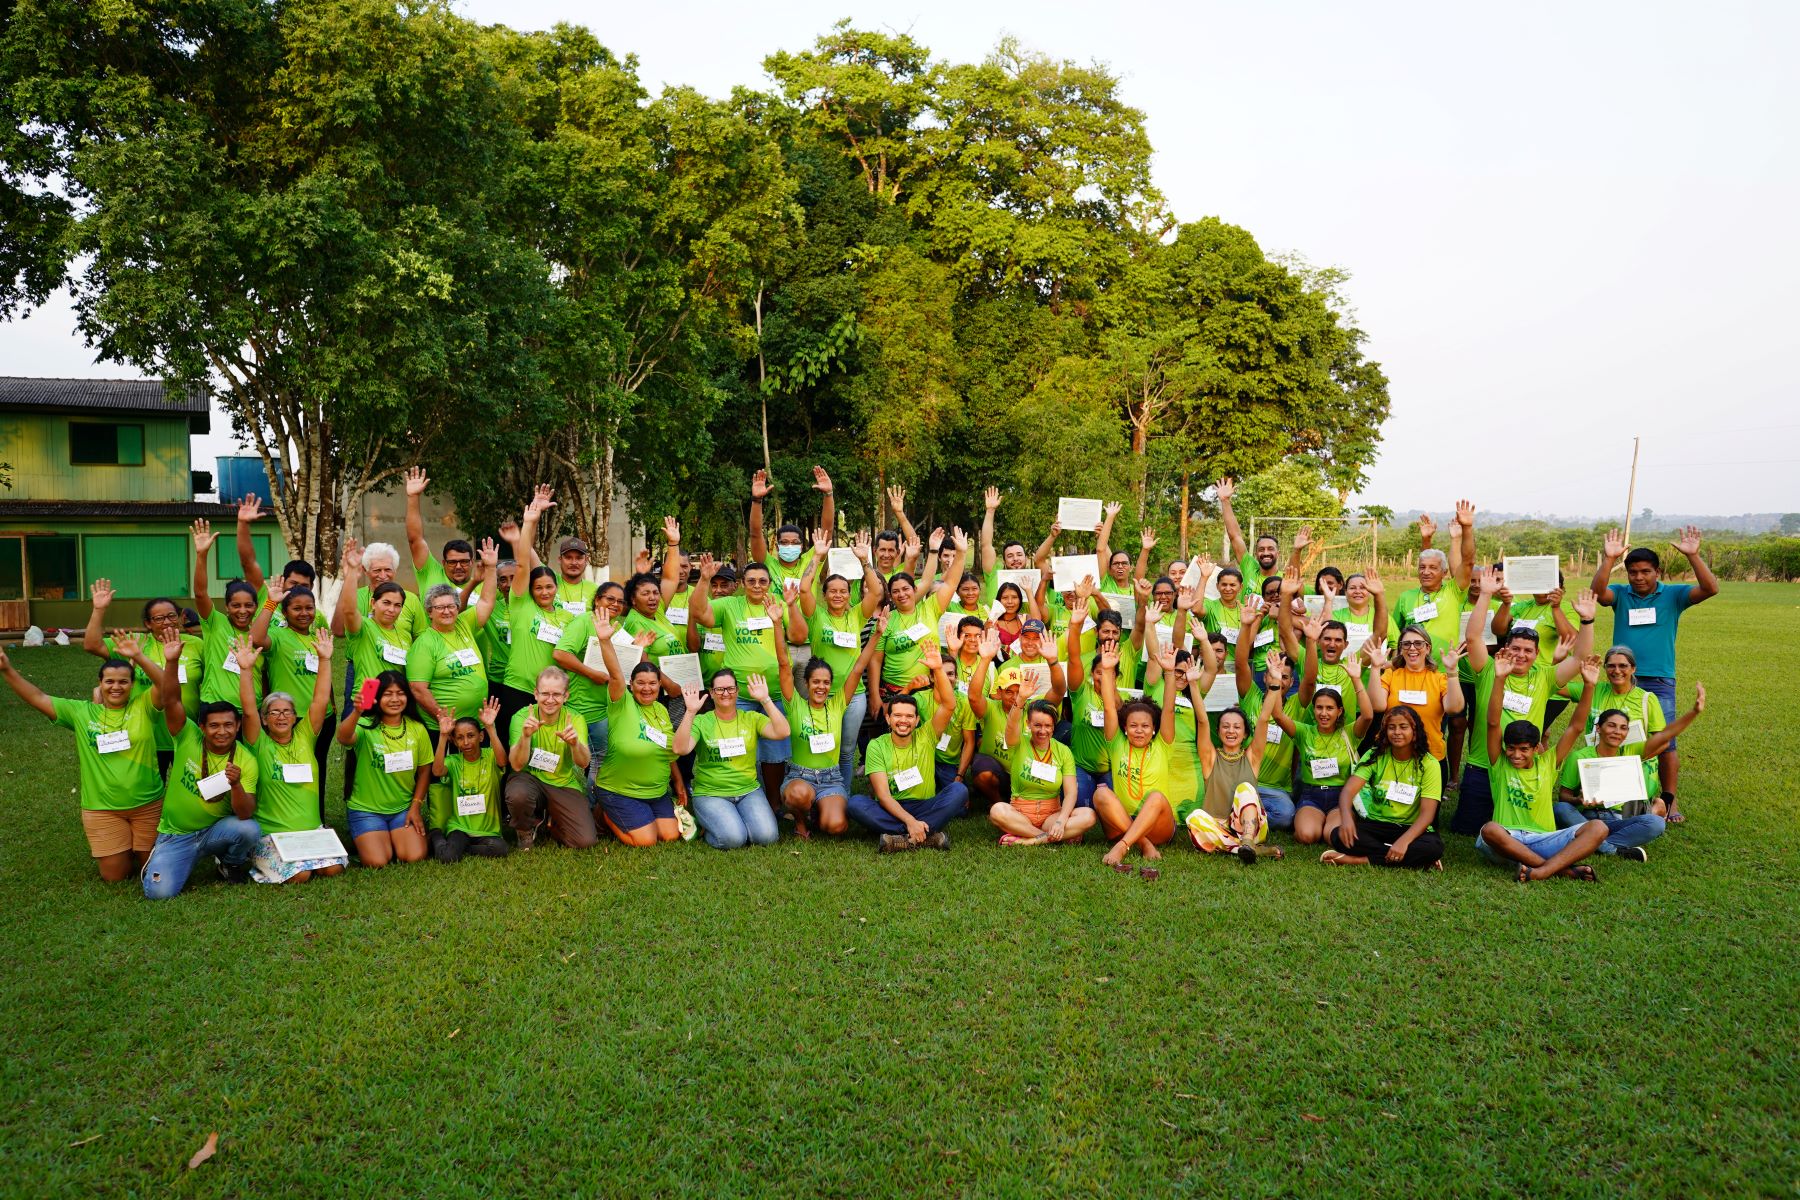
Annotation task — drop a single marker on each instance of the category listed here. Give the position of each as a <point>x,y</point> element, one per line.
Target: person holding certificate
<point>1637,821</point>
<point>756,628</point>
<point>287,800</point>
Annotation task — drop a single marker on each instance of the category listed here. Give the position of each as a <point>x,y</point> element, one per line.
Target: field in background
<point>811,1019</point>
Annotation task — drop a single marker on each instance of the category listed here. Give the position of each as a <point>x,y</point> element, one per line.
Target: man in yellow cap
<point>989,781</point>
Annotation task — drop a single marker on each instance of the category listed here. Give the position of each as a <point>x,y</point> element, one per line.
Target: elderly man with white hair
<point>1436,606</point>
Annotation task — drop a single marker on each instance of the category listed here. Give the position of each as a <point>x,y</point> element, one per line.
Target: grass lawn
<point>815,1020</point>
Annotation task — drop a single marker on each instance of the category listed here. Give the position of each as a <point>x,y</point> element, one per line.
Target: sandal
<point>1584,873</point>
<point>1332,858</point>
<point>1149,873</point>
<point>1124,868</point>
<point>1524,875</point>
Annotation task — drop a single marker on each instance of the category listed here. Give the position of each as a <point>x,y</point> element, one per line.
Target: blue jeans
<point>1544,845</point>
<point>734,821</point>
<point>1278,807</point>
<point>232,840</point>
<point>1622,832</point>
<point>768,750</point>
<point>1474,803</point>
<point>1663,688</point>
<point>935,811</point>
<point>596,751</point>
<point>855,713</point>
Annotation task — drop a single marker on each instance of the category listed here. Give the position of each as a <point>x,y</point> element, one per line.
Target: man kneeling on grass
<point>1524,785</point>
<point>908,809</point>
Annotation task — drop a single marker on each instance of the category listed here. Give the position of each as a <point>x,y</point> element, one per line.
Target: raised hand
<point>1465,513</point>
<point>1614,546</point>
<point>760,487</point>
<point>125,644</point>
<point>1047,647</point>
<point>1147,539</point>
<point>249,509</point>
<point>323,644</point>
<point>1111,510</point>
<point>1453,655</point>
<point>1143,588</point>
<point>416,481</point>
<point>1290,581</point>
<point>1109,658</point>
<point>1427,526</point>
<point>1165,658</point>
<point>490,556</point>
<point>1314,627</point>
<point>1375,651</point>
<point>101,591</point>
<point>1186,596</point>
<point>1587,604</point>
<point>930,657</point>
<point>1590,669</point>
<point>692,696</point>
<point>991,498</point>
<point>1225,489</point>
<point>245,653</point>
<point>896,497</point>
<point>1303,539</point>
<point>881,621</point>
<point>566,735</point>
<point>1275,665</point>
<point>1202,569</point>
<point>1503,665</point>
<point>958,538</point>
<point>1689,541</point>
<point>861,547</point>
<point>531,724</point>
<point>1484,582</point>
<point>1699,697</point>
<point>911,548</point>
<point>204,537</point>
<point>671,532</point>
<point>758,686</point>
<point>490,710</point>
<point>1084,590</point>
<point>821,481</point>
<point>708,567</point>
<point>935,542</point>
<point>821,544</point>
<point>1250,612</point>
<point>990,643</point>
<point>1372,581</point>
<point>509,532</point>
<point>543,498</point>
<point>641,561</point>
<point>1565,646</point>
<point>171,645</point>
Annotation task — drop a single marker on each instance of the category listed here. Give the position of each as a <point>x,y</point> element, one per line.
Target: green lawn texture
<point>812,1019</point>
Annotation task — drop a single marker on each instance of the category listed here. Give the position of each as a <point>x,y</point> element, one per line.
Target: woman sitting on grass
<point>729,802</point>
<point>1042,808</point>
<point>1523,782</point>
<point>473,774</point>
<point>393,769</point>
<point>816,789</point>
<point>1636,822</point>
<point>287,798</point>
<point>1228,814</point>
<point>1134,805</point>
<point>637,784</point>
<point>1386,809</point>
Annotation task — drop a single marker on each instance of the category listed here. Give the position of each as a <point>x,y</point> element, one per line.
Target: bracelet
<point>1588,621</point>
<point>269,606</point>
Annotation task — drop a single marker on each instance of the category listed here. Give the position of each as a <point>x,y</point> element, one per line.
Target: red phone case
<point>365,695</point>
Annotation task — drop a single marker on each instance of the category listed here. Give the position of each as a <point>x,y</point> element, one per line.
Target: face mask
<point>787,554</point>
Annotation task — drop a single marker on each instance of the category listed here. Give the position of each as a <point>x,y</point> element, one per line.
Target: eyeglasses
<point>724,691</point>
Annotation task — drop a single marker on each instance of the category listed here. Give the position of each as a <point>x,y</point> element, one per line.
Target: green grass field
<point>811,1019</point>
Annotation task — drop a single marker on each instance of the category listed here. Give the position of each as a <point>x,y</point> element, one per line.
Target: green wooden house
<point>102,486</point>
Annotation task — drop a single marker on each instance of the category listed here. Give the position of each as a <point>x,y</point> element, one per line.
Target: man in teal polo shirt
<point>1645,617</point>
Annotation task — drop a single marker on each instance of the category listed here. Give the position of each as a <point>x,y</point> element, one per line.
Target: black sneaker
<point>893,843</point>
<point>936,841</point>
<point>1633,854</point>
<point>1246,854</point>
<point>239,873</point>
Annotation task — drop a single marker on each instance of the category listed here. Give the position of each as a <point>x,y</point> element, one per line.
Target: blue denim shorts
<point>1322,797</point>
<point>1544,845</point>
<point>628,812</point>
<point>826,781</point>
<point>362,822</point>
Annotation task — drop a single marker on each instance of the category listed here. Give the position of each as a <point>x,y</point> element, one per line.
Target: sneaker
<point>239,873</point>
<point>527,837</point>
<point>1246,854</point>
<point>936,841</point>
<point>893,843</point>
<point>1633,854</point>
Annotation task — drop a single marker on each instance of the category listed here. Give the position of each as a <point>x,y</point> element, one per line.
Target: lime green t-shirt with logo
<point>905,640</point>
<point>552,760</point>
<point>219,672</point>
<point>817,721</point>
<point>293,664</point>
<point>379,746</point>
<point>1527,698</point>
<point>535,633</point>
<point>640,745</point>
<point>470,778</point>
<point>287,796</point>
<point>1438,613</point>
<point>889,758</point>
<point>184,809</point>
<point>749,639</point>
<point>116,772</point>
<point>1525,800</point>
<point>449,664</point>
<point>1381,800</point>
<point>725,753</point>
<point>374,649</point>
<point>188,669</point>
<point>1028,784</point>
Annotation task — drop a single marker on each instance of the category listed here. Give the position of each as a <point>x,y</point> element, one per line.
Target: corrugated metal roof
<point>115,395</point>
<point>146,510</point>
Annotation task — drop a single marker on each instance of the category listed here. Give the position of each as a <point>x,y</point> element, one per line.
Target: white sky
<point>1575,223</point>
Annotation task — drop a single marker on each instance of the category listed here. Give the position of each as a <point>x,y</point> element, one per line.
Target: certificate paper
<point>1027,579</point>
<point>840,560</point>
<point>1223,694</point>
<point>308,843</point>
<point>1533,574</point>
<point>682,670</point>
<point>1073,513</point>
<point>1067,570</point>
<point>1614,782</point>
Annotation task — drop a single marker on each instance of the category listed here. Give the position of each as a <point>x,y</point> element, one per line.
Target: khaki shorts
<point>1037,811</point>
<point>115,830</point>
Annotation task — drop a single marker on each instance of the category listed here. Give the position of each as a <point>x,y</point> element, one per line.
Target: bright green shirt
<point>837,640</point>
<point>1571,778</point>
<point>219,670</point>
<point>1439,614</point>
<point>904,642</point>
<point>468,779</point>
<point>1525,800</point>
<point>552,760</point>
<point>378,748</point>
<point>892,760</point>
<point>188,669</point>
<point>449,665</point>
<point>287,798</point>
<point>575,598</point>
<point>585,696</point>
<point>496,636</point>
<point>535,633</point>
<point>374,649</point>
<point>817,721</point>
<point>1138,773</point>
<point>121,777</point>
<point>1030,784</point>
<point>1638,706</point>
<point>1336,676</point>
<point>749,639</point>
<point>1392,789</point>
<point>1087,733</point>
<point>725,753</point>
<point>948,744</point>
<point>184,810</point>
<point>668,640</point>
<point>1542,619</point>
<point>640,745</point>
<point>412,613</point>
<point>780,572</point>
<point>293,666</point>
<point>1313,749</point>
<point>1528,696</point>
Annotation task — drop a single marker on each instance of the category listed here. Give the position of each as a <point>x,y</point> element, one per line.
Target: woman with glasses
<point>1418,683</point>
<point>288,630</point>
<point>160,614</point>
<point>729,802</point>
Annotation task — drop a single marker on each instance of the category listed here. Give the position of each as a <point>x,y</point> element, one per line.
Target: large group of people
<point>890,686</point>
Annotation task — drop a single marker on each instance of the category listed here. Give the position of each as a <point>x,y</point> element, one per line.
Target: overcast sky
<point>1566,223</point>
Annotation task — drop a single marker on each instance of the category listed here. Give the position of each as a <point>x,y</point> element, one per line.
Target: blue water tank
<point>243,475</point>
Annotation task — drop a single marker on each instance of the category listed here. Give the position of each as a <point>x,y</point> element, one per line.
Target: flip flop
<point>1124,868</point>
<point>1524,875</point>
<point>1149,873</point>
<point>1332,858</point>
<point>1584,873</point>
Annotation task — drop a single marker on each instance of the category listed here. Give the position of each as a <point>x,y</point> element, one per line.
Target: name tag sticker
<point>180,672</point>
<point>471,806</point>
<point>466,658</point>
<point>544,760</point>
<point>1402,793</point>
<point>1274,738</point>
<point>656,735</point>
<point>1097,718</point>
<point>296,772</point>
<point>1045,771</point>
<point>758,623</point>
<point>943,743</point>
<point>1516,702</point>
<point>231,664</point>
<point>398,761</point>
<point>1525,623</point>
<point>394,654</point>
<point>112,743</point>
<point>1640,616</point>
<point>821,743</point>
<point>214,785</point>
<point>912,777</point>
<point>1264,638</point>
<point>677,616</point>
<point>713,642</point>
<point>547,632</point>
<point>732,747</point>
<point>1322,768</point>
<point>574,607</point>
<point>311,662</point>
<point>1412,696</point>
<point>1425,612</point>
<point>918,631</point>
<point>845,639</point>
<point>1230,633</point>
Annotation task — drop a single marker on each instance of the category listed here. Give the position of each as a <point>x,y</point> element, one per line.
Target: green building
<point>102,487</point>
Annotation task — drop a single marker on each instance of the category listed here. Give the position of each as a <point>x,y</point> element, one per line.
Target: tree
<point>1790,524</point>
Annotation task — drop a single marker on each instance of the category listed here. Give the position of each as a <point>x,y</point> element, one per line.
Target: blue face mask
<point>788,554</point>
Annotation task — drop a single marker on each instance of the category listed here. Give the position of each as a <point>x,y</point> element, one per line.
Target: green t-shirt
<point>287,799</point>
<point>374,649</point>
<point>837,640</point>
<point>293,666</point>
<point>1525,800</point>
<point>948,745</point>
<point>904,642</point>
<point>1392,789</point>
<point>1541,618</point>
<point>411,618</point>
<point>1087,732</point>
<point>1362,629</point>
<point>1253,572</point>
<point>1138,773</point>
<point>184,809</point>
<point>585,696</point>
<point>1638,706</point>
<point>780,572</point>
<point>668,640</point>
<point>1038,776</point>
<point>535,633</point>
<point>125,775</point>
<point>1527,696</point>
<point>379,747</point>
<point>749,639</point>
<point>918,757</point>
<point>449,664</point>
<point>187,668</point>
<point>1336,676</point>
<point>1277,770</point>
<point>552,760</point>
<point>219,671</point>
<point>817,721</point>
<point>467,780</point>
<point>1439,614</point>
<point>575,598</point>
<point>1314,749</point>
<point>496,636</point>
<point>725,753</point>
<point>640,745</point>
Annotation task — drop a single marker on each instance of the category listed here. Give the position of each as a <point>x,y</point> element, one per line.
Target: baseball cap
<point>1033,625</point>
<point>571,543</point>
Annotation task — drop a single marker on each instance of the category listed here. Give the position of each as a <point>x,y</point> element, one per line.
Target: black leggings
<point>1374,837</point>
<point>450,847</point>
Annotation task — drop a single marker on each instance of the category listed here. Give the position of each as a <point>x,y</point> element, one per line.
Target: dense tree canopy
<point>385,234</point>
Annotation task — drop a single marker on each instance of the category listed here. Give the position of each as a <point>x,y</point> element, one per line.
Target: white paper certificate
<point>1613,782</point>
<point>1223,694</point>
<point>840,560</point>
<point>1125,606</point>
<point>308,843</point>
<point>1073,513</point>
<point>1035,679</point>
<point>1067,570</point>
<point>682,670</point>
<point>1027,579</point>
<point>1531,574</point>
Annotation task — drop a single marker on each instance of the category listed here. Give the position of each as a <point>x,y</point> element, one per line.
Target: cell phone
<point>365,695</point>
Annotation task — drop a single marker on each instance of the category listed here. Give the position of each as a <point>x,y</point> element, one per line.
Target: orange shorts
<point>1037,811</point>
<point>115,830</point>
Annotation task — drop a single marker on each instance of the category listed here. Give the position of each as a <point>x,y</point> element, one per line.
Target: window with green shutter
<point>140,565</point>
